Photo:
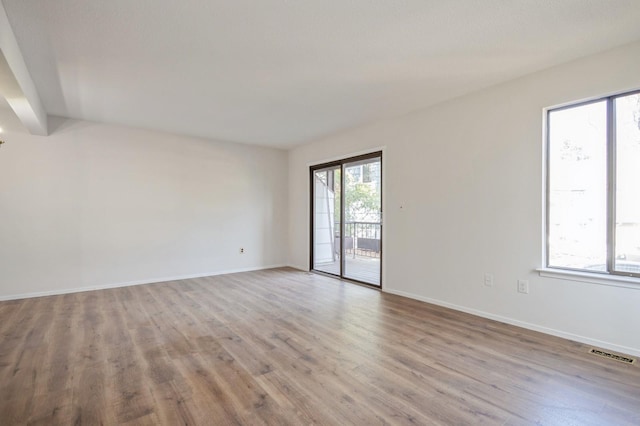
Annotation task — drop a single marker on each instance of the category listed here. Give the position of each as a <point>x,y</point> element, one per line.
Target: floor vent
<point>609,355</point>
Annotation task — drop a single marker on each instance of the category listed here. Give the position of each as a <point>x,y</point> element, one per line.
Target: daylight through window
<point>593,187</point>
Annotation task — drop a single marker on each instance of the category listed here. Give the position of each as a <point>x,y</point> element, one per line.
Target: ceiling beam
<point>16,84</point>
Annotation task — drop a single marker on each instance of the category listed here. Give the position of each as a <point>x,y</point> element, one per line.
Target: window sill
<point>586,277</point>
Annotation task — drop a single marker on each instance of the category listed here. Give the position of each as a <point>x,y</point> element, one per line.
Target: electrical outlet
<point>241,250</point>
<point>523,286</point>
<point>488,280</point>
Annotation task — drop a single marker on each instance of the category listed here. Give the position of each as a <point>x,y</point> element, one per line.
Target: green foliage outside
<point>362,201</point>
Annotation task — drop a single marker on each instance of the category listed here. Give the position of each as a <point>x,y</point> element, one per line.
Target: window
<point>371,173</point>
<point>366,173</point>
<point>593,186</point>
<point>355,173</point>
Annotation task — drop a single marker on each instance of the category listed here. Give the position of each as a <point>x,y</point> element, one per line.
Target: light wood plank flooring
<point>288,347</point>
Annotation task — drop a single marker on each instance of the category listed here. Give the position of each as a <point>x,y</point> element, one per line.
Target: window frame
<point>611,175</point>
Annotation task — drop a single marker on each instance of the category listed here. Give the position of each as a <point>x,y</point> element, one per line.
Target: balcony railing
<point>360,238</point>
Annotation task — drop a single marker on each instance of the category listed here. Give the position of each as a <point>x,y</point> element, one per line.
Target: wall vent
<point>615,357</point>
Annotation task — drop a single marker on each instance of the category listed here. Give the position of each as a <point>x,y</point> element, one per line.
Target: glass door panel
<point>362,229</point>
<point>326,220</point>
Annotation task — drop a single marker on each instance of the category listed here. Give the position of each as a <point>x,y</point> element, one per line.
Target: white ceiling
<point>283,72</point>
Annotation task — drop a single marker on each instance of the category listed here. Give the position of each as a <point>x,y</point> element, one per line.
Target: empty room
<point>319,212</point>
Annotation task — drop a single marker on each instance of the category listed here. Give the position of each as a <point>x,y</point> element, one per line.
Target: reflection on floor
<point>360,268</point>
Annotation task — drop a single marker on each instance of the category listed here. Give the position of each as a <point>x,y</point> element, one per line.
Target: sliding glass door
<point>346,222</point>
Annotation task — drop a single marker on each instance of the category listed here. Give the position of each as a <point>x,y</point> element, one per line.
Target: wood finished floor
<point>287,347</point>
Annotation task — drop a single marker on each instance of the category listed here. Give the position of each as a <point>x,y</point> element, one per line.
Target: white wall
<point>468,174</point>
<point>95,205</point>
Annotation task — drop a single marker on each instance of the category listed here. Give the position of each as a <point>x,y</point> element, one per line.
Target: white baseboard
<point>132,283</point>
<point>529,326</point>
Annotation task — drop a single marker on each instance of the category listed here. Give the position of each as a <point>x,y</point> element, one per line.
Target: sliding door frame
<point>341,163</point>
